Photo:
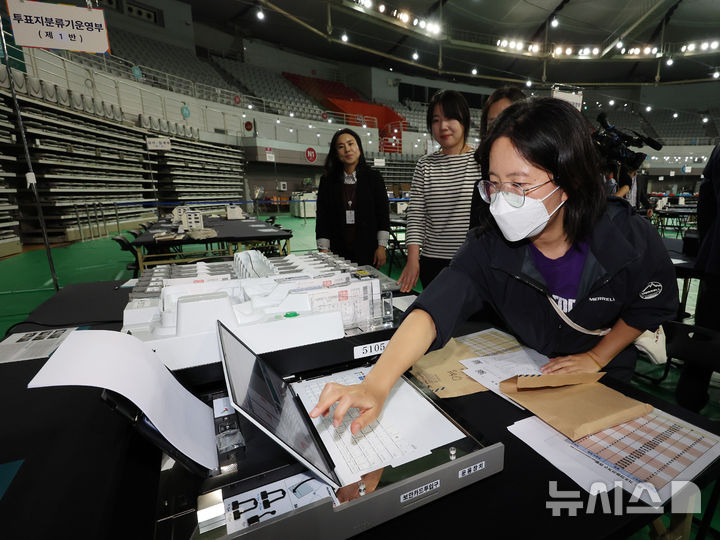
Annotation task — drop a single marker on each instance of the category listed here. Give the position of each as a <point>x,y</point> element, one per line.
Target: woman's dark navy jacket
<point>627,274</point>
<point>372,214</point>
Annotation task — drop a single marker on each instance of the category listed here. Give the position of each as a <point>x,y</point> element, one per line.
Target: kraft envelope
<point>442,372</point>
<point>575,404</point>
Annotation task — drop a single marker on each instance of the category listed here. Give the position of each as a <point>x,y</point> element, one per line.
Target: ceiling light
<point>292,114</point>
<point>654,50</point>
<point>568,51</point>
<point>683,48</point>
<point>648,108</point>
<point>422,24</point>
<point>675,115</point>
<point>474,71</point>
<point>596,51</point>
<point>535,47</point>
<point>691,47</point>
<point>519,45</point>
<point>705,46</point>
<point>647,50</point>
<point>558,50</point>
<point>714,45</point>
<point>528,83</point>
<point>554,23</point>
<point>512,44</point>
<point>344,37</point>
<point>611,102</point>
<point>503,43</point>
<point>716,74</point>
<point>705,120</point>
<point>260,14</point>
<point>404,17</point>
<point>415,56</point>
<point>619,45</point>
<point>669,61</point>
<point>622,51</point>
<point>415,22</point>
<point>381,8</point>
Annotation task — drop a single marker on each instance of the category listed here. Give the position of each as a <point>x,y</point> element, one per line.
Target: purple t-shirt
<point>562,275</point>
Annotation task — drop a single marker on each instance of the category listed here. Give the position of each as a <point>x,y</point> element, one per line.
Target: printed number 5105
<point>369,349</point>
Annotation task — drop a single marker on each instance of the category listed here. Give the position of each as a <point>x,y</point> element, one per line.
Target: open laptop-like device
<point>412,454</point>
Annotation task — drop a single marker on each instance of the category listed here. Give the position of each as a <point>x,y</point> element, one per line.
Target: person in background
<point>634,190</point>
<point>610,169</point>
<point>557,243</point>
<point>353,214</point>
<point>692,389</point>
<point>441,192</point>
<point>498,101</point>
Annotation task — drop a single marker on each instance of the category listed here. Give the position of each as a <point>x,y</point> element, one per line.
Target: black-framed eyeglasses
<point>514,193</point>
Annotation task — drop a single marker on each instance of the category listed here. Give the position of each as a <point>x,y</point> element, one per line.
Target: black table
<point>677,218</point>
<point>84,472</point>
<point>231,235</point>
<point>87,474</point>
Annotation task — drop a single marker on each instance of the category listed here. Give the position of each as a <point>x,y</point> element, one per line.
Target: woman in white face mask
<point>557,261</point>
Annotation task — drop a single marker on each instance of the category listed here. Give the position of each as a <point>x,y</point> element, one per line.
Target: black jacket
<point>627,274</point>
<point>708,259</point>
<point>372,214</point>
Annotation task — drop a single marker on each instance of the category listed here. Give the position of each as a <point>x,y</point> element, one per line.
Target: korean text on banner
<point>56,26</point>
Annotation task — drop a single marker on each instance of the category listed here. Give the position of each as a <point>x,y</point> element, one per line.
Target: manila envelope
<point>442,372</point>
<point>575,404</point>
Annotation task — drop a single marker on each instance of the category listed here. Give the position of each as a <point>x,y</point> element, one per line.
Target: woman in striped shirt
<point>441,193</point>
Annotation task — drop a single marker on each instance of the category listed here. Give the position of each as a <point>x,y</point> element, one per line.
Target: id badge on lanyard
<point>350,217</point>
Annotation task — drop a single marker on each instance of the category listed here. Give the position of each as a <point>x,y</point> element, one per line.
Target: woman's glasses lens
<point>513,193</point>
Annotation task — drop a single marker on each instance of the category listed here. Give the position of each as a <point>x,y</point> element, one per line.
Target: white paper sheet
<point>420,431</point>
<point>31,345</point>
<point>664,463</point>
<point>403,302</point>
<point>491,370</point>
<point>123,364</point>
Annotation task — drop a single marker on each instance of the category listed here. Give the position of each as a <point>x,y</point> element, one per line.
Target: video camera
<point>613,144</point>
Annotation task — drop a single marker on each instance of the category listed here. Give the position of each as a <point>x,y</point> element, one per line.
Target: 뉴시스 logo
<point>644,499</point>
<point>651,290</point>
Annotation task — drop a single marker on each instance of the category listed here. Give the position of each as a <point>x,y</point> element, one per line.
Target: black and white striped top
<point>440,200</point>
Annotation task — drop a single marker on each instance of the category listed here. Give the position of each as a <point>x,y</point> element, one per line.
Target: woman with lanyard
<point>353,215</point>
<point>555,243</point>
<point>441,193</point>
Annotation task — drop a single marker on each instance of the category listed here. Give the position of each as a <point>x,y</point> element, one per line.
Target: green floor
<point>26,283</point>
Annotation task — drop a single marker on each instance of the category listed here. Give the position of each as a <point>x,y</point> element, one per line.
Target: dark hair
<point>333,165</point>
<point>552,135</point>
<point>454,106</point>
<point>512,93</point>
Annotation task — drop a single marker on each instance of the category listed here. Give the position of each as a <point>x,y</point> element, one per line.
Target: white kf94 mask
<point>518,223</point>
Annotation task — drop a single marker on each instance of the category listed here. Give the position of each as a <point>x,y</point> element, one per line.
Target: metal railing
<point>112,79</point>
